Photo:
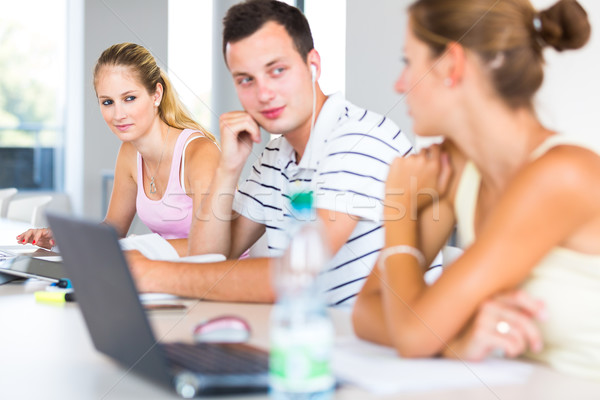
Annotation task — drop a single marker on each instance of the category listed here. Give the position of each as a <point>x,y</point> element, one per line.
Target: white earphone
<point>313,73</point>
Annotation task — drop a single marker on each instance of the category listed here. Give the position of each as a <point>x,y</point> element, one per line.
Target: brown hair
<point>244,19</point>
<point>171,111</point>
<point>508,36</point>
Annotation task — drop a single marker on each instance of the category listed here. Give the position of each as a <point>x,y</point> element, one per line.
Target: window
<point>327,21</point>
<point>190,55</point>
<point>32,87</point>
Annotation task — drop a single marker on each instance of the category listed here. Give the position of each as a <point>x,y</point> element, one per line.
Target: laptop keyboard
<point>218,358</point>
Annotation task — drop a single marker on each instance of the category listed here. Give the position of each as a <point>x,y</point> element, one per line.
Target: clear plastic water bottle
<point>301,329</point>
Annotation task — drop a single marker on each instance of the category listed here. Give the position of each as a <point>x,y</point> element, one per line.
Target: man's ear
<point>313,60</point>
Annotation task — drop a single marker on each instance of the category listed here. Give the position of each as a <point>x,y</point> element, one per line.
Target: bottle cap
<point>302,201</point>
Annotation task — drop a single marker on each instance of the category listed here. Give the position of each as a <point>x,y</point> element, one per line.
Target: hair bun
<point>564,26</point>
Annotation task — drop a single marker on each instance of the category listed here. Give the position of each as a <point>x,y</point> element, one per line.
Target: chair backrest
<point>5,196</point>
<point>29,209</point>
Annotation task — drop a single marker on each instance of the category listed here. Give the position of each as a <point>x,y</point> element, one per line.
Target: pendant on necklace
<point>152,185</point>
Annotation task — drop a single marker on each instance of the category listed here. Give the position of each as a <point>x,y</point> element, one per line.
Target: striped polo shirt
<point>345,163</point>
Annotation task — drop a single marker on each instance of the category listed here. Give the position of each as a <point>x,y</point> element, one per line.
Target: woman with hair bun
<point>166,161</point>
<point>524,198</point>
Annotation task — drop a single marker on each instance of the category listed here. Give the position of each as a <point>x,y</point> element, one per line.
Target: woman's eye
<point>129,98</point>
<point>107,102</point>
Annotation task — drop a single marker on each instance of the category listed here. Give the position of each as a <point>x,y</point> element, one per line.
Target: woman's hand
<point>504,325</point>
<point>418,180</point>
<point>40,237</point>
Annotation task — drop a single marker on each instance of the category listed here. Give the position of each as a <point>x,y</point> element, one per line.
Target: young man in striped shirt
<point>344,158</point>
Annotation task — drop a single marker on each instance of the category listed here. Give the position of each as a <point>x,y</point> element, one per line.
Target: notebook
<point>102,283</point>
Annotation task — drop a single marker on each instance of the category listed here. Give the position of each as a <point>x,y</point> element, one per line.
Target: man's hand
<point>140,268</point>
<point>504,325</point>
<point>238,131</point>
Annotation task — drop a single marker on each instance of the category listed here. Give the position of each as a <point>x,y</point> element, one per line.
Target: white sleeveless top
<point>567,281</point>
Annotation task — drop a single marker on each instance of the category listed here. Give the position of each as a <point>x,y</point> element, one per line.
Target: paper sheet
<point>203,258</point>
<point>378,369</point>
<point>155,247</point>
<point>152,246</point>
<point>14,250</point>
<point>153,297</point>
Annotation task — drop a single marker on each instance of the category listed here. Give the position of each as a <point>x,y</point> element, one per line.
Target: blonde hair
<point>508,35</point>
<point>171,110</point>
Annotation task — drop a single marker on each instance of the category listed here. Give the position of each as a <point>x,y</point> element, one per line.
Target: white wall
<point>568,100</point>
<point>374,38</point>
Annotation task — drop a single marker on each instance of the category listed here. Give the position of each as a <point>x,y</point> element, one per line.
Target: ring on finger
<point>503,327</point>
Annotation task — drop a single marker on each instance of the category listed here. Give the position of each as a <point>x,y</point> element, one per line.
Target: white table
<point>9,230</point>
<point>46,353</point>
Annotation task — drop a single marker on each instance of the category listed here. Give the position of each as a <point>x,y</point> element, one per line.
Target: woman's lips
<point>123,128</point>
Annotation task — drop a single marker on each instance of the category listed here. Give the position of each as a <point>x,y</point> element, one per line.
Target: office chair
<point>29,209</point>
<point>5,197</point>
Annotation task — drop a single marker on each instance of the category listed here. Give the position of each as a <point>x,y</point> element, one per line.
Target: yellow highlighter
<point>54,297</point>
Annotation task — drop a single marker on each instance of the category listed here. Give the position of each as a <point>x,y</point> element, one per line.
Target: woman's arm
<point>121,208</point>
<point>435,223</point>
<point>201,160</point>
<point>481,336</point>
<point>552,192</point>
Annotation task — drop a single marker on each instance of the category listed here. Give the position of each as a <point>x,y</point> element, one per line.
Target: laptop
<point>119,328</point>
<point>13,266</point>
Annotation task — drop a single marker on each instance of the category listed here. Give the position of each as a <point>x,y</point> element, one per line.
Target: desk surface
<point>46,353</point>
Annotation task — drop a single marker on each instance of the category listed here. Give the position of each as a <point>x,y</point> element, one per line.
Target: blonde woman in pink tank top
<point>165,158</point>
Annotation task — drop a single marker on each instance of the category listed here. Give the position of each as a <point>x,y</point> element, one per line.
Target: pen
<point>55,297</point>
<point>169,306</point>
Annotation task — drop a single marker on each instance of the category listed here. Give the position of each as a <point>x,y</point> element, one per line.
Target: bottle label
<point>300,360</point>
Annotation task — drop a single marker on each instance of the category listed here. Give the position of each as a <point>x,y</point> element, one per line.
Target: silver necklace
<point>152,181</point>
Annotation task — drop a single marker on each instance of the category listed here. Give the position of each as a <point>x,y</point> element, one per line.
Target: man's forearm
<point>247,280</point>
<point>211,226</point>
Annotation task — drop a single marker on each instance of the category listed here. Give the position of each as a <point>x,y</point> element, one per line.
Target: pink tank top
<point>170,216</point>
